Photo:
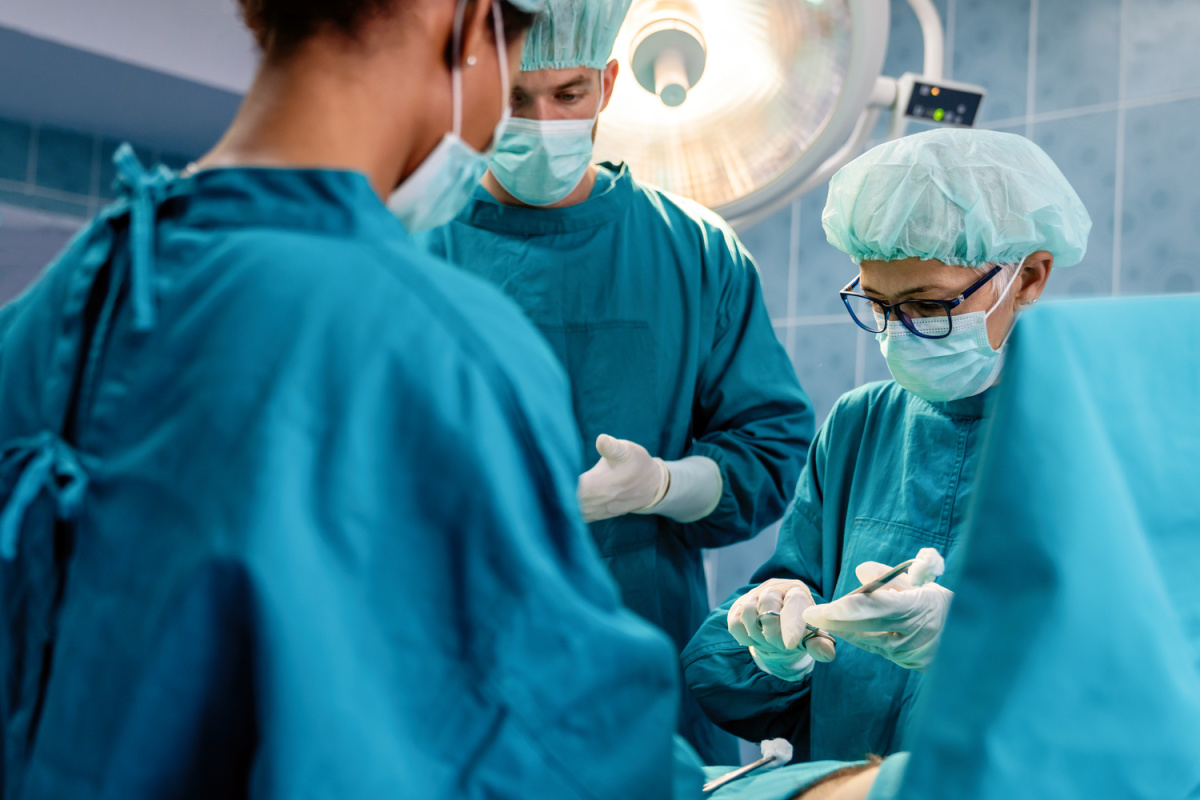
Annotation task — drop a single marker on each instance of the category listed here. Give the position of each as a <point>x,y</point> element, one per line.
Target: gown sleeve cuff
<point>789,667</point>
<point>694,490</point>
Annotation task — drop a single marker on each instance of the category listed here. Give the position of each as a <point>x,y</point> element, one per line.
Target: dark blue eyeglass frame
<point>948,305</point>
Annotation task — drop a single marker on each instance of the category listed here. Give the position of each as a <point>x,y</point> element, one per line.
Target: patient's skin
<point>849,787</point>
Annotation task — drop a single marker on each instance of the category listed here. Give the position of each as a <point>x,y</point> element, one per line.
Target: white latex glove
<point>901,622</point>
<point>775,646</point>
<point>626,480</point>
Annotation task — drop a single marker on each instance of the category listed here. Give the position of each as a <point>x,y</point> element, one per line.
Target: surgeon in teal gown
<point>655,310</point>
<point>287,506</point>
<point>894,466</point>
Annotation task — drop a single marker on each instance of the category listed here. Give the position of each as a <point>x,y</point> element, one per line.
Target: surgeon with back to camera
<point>691,416</point>
<point>287,506</point>
<point>954,231</point>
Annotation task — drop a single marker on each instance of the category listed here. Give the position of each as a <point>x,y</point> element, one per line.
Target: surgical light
<point>668,55</point>
<point>743,105</point>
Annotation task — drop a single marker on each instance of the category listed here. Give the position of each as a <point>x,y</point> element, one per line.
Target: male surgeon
<point>688,407</point>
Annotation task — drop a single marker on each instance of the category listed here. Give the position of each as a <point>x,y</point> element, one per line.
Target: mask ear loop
<point>1008,288</point>
<point>599,108</point>
<point>505,78</point>
<point>460,13</point>
<point>456,77</point>
<point>1011,328</point>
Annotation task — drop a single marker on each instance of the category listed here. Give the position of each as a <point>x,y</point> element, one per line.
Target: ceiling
<point>198,40</point>
<point>166,74</point>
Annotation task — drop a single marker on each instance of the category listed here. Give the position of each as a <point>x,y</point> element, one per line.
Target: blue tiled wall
<point>1109,88</point>
<point>62,171</point>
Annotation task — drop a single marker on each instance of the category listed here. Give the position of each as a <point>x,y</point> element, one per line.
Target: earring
<point>472,61</point>
<point>1029,302</point>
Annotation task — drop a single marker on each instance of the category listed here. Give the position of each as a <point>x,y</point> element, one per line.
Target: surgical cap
<point>574,33</point>
<point>963,197</point>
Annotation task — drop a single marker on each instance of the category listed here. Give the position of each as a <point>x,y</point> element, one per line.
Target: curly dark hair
<point>280,25</point>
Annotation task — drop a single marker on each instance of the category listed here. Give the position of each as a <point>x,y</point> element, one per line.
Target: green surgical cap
<point>964,197</point>
<point>574,33</point>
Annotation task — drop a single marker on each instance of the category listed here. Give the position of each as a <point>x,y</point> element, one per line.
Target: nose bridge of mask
<point>456,78</point>
<point>560,127</point>
<point>959,365</point>
<point>897,328</point>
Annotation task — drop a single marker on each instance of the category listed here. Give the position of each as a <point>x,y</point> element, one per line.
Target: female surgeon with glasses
<point>287,505</point>
<point>954,231</point>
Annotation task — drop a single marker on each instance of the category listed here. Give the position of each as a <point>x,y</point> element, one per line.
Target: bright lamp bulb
<point>773,73</point>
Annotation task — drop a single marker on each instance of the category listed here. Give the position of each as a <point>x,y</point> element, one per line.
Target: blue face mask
<point>540,162</point>
<point>960,365</point>
<point>444,182</point>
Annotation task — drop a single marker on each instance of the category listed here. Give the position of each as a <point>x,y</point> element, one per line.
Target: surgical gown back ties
<point>888,474</point>
<point>655,310</point>
<point>315,532</point>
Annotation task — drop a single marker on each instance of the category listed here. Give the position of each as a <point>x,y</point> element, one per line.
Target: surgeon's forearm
<point>694,490</point>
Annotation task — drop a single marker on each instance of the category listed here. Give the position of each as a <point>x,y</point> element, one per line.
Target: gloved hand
<point>626,480</point>
<point>900,622</point>
<point>775,646</point>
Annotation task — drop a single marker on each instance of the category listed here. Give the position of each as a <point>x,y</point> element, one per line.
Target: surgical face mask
<point>960,365</point>
<point>540,162</point>
<point>444,182</point>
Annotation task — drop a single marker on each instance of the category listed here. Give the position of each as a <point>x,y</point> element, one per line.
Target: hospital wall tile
<point>25,250</point>
<point>1161,39</point>
<point>1161,238</point>
<point>736,563</point>
<point>825,359</point>
<point>769,242</point>
<point>823,268</point>
<point>1082,68</point>
<point>14,150</point>
<point>991,48</point>
<point>53,205</point>
<point>64,161</point>
<point>906,47</point>
<point>1085,149</point>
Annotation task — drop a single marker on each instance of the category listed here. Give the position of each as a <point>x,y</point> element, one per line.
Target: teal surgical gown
<point>655,310</point>
<point>888,474</point>
<point>1070,664</point>
<point>287,511</point>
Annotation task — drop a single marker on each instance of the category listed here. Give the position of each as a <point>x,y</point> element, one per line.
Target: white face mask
<point>540,162</point>
<point>960,365</point>
<point>444,182</point>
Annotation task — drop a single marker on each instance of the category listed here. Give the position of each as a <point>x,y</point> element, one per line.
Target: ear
<point>610,80</point>
<point>477,30</point>
<point>1034,274</point>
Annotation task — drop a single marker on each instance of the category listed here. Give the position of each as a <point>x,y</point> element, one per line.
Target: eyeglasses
<point>872,314</point>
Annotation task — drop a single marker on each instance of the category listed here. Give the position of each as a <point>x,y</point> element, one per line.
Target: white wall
<point>202,40</point>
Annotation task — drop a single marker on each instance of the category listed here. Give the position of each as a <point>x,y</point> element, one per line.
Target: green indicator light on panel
<point>939,115</point>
